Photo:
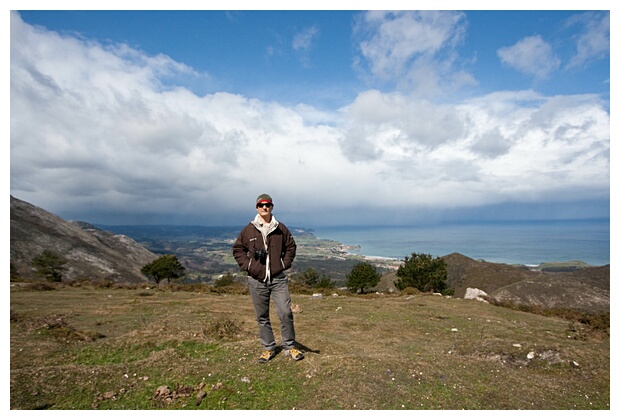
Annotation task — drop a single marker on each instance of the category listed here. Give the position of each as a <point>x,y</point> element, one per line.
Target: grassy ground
<point>88,348</point>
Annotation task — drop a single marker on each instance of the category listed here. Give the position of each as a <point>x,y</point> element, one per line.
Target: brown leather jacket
<point>281,250</point>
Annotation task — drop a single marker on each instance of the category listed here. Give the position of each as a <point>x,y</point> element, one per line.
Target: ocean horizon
<point>511,242</point>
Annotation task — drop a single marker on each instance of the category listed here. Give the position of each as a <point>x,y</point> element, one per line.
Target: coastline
<point>518,243</point>
<point>391,262</point>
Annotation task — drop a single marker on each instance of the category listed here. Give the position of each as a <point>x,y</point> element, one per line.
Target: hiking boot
<point>266,356</point>
<point>295,354</point>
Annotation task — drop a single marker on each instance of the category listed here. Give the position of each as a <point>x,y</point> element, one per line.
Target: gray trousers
<point>277,289</point>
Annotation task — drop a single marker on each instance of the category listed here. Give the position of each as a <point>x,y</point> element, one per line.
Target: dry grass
<point>83,348</point>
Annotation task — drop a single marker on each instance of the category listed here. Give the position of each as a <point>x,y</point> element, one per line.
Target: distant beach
<point>529,242</point>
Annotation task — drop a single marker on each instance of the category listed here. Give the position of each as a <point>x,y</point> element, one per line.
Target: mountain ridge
<point>90,252</point>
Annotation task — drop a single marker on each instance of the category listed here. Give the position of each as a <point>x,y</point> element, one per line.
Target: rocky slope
<point>91,253</point>
<point>586,288</point>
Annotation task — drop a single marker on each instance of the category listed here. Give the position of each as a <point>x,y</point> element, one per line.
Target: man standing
<point>265,248</point>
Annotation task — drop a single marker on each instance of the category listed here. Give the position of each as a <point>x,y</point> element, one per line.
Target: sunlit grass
<point>384,352</point>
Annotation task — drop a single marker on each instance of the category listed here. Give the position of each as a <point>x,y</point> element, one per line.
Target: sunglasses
<point>264,205</point>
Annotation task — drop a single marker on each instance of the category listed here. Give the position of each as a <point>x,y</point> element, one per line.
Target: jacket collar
<point>260,224</point>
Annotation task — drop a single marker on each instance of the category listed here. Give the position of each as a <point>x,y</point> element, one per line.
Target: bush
<point>300,289</point>
<point>597,322</point>
<point>325,282</point>
<point>311,278</point>
<point>308,277</point>
<point>225,280</point>
<point>50,265</point>
<point>411,291</point>
<point>363,275</point>
<point>424,273</point>
<point>165,267</point>
<point>582,324</point>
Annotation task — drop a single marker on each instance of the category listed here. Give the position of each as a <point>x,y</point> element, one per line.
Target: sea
<point>514,242</point>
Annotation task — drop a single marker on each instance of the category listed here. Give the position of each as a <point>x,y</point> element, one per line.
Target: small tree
<point>49,265</point>
<point>423,272</point>
<point>363,274</point>
<point>309,277</point>
<point>165,267</point>
<point>325,282</point>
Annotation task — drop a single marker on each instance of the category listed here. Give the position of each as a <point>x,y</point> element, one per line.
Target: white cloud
<point>304,39</point>
<point>532,56</point>
<point>303,42</point>
<point>593,42</point>
<point>413,49</point>
<point>96,128</point>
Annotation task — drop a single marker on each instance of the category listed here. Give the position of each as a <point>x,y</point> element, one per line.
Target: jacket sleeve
<point>289,248</point>
<point>240,251</point>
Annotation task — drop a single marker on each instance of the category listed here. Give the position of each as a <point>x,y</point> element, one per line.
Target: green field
<point>123,348</point>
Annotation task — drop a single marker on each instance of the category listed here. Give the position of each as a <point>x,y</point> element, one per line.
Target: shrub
<point>50,265</point>
<point>325,282</point>
<point>308,277</point>
<point>411,291</point>
<point>597,322</point>
<point>300,289</point>
<point>225,280</point>
<point>363,275</point>
<point>165,267</point>
<point>423,272</point>
<point>311,278</point>
<point>582,324</point>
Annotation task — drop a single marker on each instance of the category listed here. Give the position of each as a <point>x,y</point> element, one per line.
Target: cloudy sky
<point>344,117</point>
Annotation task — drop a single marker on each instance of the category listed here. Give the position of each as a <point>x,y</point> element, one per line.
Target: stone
<point>477,294</point>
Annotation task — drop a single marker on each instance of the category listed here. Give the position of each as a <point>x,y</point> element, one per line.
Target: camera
<point>261,255</point>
